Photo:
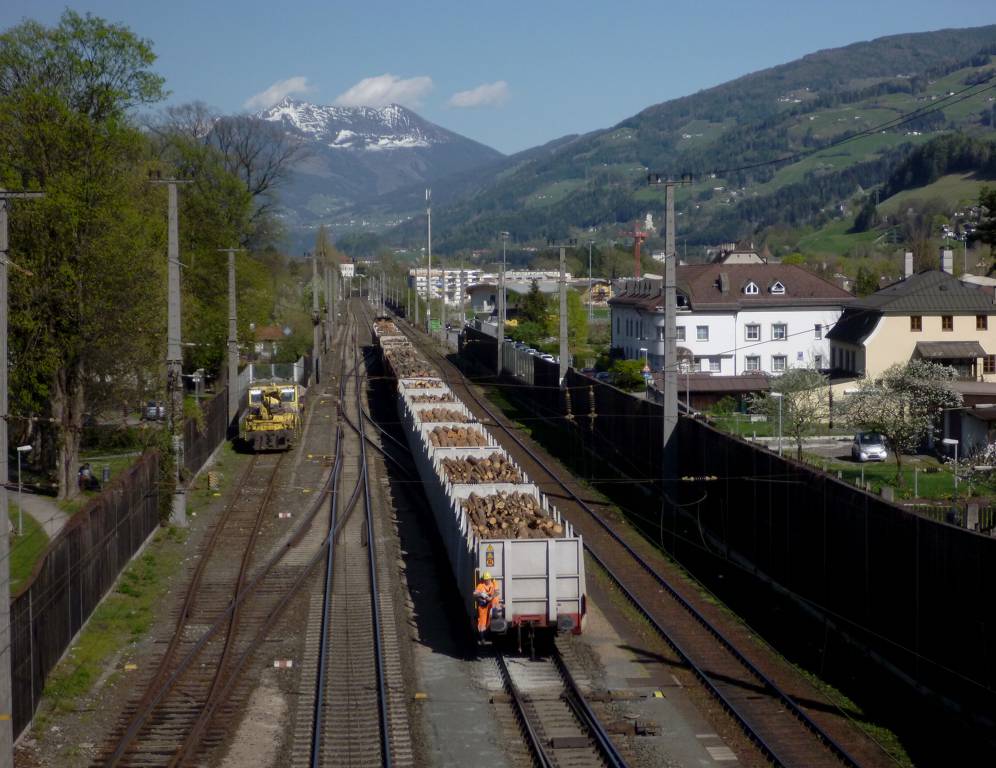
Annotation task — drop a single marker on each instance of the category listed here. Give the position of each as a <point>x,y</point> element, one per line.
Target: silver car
<point>869,446</point>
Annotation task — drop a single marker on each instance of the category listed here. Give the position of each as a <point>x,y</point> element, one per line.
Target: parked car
<point>548,358</point>
<point>869,446</point>
<point>530,351</point>
<point>588,371</point>
<point>154,411</point>
<point>603,376</point>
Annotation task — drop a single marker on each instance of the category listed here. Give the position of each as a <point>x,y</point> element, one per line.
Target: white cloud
<point>382,90</point>
<point>277,92</point>
<point>485,95</point>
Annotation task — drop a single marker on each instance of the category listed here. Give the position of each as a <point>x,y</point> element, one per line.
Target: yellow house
<point>930,315</point>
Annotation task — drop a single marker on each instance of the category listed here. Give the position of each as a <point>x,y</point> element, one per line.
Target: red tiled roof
<point>269,333</point>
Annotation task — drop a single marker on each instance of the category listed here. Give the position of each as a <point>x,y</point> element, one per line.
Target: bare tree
<point>259,153</point>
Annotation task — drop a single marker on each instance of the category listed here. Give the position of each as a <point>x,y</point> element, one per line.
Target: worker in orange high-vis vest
<point>487,597</point>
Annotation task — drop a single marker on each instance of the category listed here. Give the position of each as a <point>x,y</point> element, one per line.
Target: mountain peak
<point>356,128</point>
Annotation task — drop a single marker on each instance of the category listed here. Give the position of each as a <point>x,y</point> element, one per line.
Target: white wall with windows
<point>730,343</point>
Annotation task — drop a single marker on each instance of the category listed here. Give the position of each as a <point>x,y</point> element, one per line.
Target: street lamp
<point>21,449</point>
<point>946,441</point>
<point>779,397</point>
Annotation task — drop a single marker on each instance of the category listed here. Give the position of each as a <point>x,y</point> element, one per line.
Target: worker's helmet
<point>486,576</point>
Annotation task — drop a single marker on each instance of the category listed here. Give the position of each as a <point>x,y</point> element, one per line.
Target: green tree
<point>986,230</point>
<point>802,397</point>
<point>904,404</point>
<point>866,282</point>
<point>534,307</point>
<point>91,311</point>
<point>628,374</point>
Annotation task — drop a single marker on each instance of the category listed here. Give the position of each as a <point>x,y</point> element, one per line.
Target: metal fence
<point>201,438</point>
<point>80,565</point>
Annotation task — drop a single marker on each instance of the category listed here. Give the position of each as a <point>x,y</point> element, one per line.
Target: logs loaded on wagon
<point>510,515</point>
<point>489,515</point>
<point>457,437</point>
<point>445,397</point>
<point>430,415</point>
<point>495,468</point>
<point>424,384</point>
<point>407,363</point>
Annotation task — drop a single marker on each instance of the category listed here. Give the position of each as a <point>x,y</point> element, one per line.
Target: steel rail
<point>385,739</point>
<point>533,740</point>
<point>323,649</point>
<point>161,682</point>
<point>837,749</point>
<point>586,714</point>
<point>155,694</point>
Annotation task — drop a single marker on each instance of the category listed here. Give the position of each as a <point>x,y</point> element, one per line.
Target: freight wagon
<point>535,555</point>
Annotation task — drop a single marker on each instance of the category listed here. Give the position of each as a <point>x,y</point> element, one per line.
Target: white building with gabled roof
<point>732,318</point>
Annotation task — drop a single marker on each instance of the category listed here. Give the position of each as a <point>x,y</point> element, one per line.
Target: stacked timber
<point>407,363</point>
<point>386,328</point>
<point>457,437</point>
<point>509,515</point>
<point>430,415</point>
<point>495,468</point>
<point>444,397</point>
<point>424,384</point>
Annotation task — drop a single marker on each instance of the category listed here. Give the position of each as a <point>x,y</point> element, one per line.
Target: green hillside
<point>598,180</point>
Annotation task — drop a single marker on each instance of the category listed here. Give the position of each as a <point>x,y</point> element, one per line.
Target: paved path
<point>44,510</point>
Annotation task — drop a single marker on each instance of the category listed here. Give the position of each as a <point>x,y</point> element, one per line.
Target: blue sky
<point>510,74</point>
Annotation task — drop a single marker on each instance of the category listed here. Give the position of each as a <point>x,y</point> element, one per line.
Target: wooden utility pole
<point>6,697</point>
<point>174,348</point>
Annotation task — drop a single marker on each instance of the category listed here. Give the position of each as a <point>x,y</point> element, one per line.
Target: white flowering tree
<point>905,405</point>
<point>805,403</point>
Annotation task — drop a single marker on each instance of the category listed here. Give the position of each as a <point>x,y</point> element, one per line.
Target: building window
<point>947,322</point>
<point>778,288</point>
<point>752,363</point>
<point>778,363</point>
<point>818,362</point>
<point>751,289</point>
<point>818,330</point>
<point>714,365</point>
<point>916,323</point>
<point>704,364</point>
<point>779,331</point>
<point>702,332</point>
<point>989,364</point>
<point>660,333</point>
<point>681,333</point>
<point>617,326</point>
<point>982,322</point>
<point>752,332</point>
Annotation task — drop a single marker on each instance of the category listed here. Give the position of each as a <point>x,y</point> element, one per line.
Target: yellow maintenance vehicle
<point>272,420</point>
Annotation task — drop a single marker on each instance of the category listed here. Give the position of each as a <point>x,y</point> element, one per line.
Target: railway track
<point>559,726</point>
<point>779,726</point>
<point>360,717</point>
<point>163,716</point>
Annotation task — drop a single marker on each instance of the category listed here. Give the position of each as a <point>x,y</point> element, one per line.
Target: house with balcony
<point>733,318</point>
<point>930,315</point>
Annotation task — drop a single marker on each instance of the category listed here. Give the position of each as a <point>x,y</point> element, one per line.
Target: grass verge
<point>25,549</point>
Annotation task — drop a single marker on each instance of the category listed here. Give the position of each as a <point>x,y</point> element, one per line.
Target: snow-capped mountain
<point>367,128</point>
<point>358,153</point>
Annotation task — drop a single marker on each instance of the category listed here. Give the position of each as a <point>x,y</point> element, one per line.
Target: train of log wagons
<point>490,516</point>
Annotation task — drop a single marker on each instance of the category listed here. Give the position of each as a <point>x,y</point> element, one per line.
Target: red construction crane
<point>638,236</point>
